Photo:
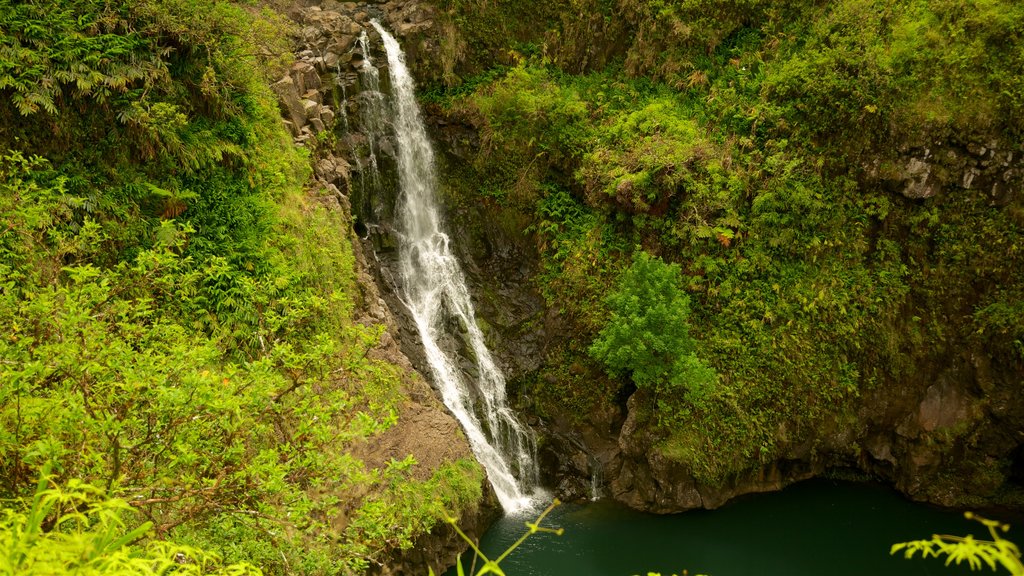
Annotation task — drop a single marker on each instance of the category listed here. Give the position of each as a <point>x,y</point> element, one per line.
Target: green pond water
<point>819,528</point>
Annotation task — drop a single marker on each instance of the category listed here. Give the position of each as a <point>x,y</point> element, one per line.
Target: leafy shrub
<point>644,158</point>
<point>77,529</point>
<point>406,508</point>
<point>647,335</point>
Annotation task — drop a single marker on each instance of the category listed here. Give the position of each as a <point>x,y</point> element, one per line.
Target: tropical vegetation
<point>766,150</point>
<point>181,357</point>
<point>749,214</point>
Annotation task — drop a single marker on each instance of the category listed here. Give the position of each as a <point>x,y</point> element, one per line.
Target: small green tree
<point>647,335</point>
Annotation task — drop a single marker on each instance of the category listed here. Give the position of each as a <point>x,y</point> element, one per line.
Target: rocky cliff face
<point>924,170</point>
<point>328,106</point>
<point>320,103</point>
<point>947,434</point>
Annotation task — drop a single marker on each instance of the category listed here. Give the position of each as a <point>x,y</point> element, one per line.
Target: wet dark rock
<point>927,171</point>
<point>918,181</point>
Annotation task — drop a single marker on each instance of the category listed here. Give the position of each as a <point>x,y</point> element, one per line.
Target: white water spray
<point>435,290</point>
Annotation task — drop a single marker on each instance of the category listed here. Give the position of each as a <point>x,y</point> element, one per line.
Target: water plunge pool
<point>815,528</point>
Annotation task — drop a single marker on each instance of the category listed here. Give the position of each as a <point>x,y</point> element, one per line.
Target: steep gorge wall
<point>947,433</point>
<point>943,428</point>
<point>946,429</point>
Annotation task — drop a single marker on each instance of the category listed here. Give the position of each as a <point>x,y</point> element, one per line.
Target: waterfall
<point>434,289</point>
<point>596,478</point>
<point>372,111</point>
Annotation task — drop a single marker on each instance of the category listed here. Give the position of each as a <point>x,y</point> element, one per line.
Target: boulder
<point>943,406</point>
<point>291,103</point>
<point>306,77</point>
<point>917,179</point>
<point>310,109</point>
<point>342,44</point>
<point>329,62</point>
<point>327,115</point>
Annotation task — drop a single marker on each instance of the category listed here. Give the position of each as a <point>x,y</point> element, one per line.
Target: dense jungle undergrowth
<point>731,182</point>
<point>727,195</point>
<point>178,312</point>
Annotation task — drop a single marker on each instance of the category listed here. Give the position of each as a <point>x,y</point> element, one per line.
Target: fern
<point>976,553</point>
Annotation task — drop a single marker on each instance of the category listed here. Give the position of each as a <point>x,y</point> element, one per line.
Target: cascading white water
<point>596,479</point>
<point>435,290</point>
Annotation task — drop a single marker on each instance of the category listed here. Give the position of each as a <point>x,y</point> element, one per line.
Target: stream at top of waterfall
<point>814,528</point>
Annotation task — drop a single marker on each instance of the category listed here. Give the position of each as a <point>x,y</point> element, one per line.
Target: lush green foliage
<point>582,256</point>
<point>994,553</point>
<point>647,335</point>
<point>181,313</point>
<point>477,34</point>
<point>530,118</point>
<point>757,160</point>
<point>643,159</point>
<point>869,70</point>
<point>75,529</point>
<point>403,510</point>
<point>754,264</point>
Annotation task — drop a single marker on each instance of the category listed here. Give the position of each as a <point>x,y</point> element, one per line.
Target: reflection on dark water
<point>816,528</point>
